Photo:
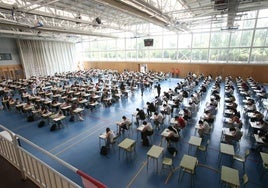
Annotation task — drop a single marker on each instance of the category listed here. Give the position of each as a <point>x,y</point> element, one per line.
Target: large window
<point>210,42</point>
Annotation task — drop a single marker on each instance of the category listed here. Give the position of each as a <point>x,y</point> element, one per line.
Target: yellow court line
<point>91,132</point>
<point>136,175</point>
<point>139,171</point>
<point>79,141</point>
<point>72,138</point>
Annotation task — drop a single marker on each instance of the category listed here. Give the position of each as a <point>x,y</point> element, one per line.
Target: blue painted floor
<point>78,144</point>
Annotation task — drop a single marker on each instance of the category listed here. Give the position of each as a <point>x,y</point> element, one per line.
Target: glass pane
<point>262,22</point>
<point>131,55</point>
<point>235,38</point>
<point>184,55</point>
<point>219,39</point>
<point>260,37</point>
<point>250,14</point>
<point>185,41</point>
<point>218,55</point>
<point>238,55</point>
<point>157,42</point>
<point>94,45</point>
<point>263,13</point>
<point>140,44</point>
<point>170,41</point>
<point>259,55</point>
<point>95,55</point>
<point>110,44</point>
<point>120,55</point>
<point>246,38</point>
<point>131,44</point>
<point>120,44</point>
<point>249,24</point>
<point>170,55</point>
<point>200,40</point>
<point>156,54</point>
<point>200,55</point>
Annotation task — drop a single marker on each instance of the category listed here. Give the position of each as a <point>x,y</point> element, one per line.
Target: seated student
<point>236,122</point>
<point>123,125</point>
<point>262,128</point>
<point>257,116</point>
<point>147,131</point>
<point>236,135</point>
<point>173,136</point>
<point>181,122</point>
<point>158,119</point>
<point>109,136</point>
<point>158,101</point>
<point>167,109</point>
<point>208,117</point>
<point>264,138</point>
<point>187,114</point>
<point>204,128</point>
<point>140,115</point>
<point>73,107</point>
<point>57,115</point>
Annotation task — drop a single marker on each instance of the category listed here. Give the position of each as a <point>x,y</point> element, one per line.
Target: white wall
<point>8,45</point>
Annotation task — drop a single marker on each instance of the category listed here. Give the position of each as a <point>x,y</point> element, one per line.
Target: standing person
<point>140,115</point>
<point>142,88</point>
<point>158,90</point>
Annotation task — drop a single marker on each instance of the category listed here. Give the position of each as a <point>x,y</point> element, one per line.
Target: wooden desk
<point>154,153</point>
<point>57,119</point>
<point>126,145</point>
<point>102,136</point>
<point>188,164</point>
<point>264,157</point>
<point>258,139</point>
<point>226,149</point>
<point>164,134</point>
<point>230,176</point>
<point>194,141</point>
<point>173,121</point>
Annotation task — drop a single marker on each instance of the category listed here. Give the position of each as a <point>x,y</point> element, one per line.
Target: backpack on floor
<point>172,150</point>
<point>30,118</point>
<point>53,127</point>
<point>71,118</point>
<point>41,123</point>
<point>104,150</point>
<point>145,142</point>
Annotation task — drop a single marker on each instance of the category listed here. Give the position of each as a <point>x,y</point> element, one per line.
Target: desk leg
<point>190,146</point>
<point>179,178</point>
<point>147,163</point>
<point>157,166</point>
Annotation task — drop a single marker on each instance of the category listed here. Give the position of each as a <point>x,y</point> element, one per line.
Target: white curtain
<point>41,58</point>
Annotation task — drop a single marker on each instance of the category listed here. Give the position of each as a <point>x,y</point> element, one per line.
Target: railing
<point>33,168</point>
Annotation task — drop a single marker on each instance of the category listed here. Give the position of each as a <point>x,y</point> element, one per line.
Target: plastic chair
<point>114,143</point>
<point>244,180</point>
<point>167,163</point>
<point>242,159</point>
<point>192,173</point>
<point>203,148</point>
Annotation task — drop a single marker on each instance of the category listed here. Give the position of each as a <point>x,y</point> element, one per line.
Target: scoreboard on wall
<point>5,56</point>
